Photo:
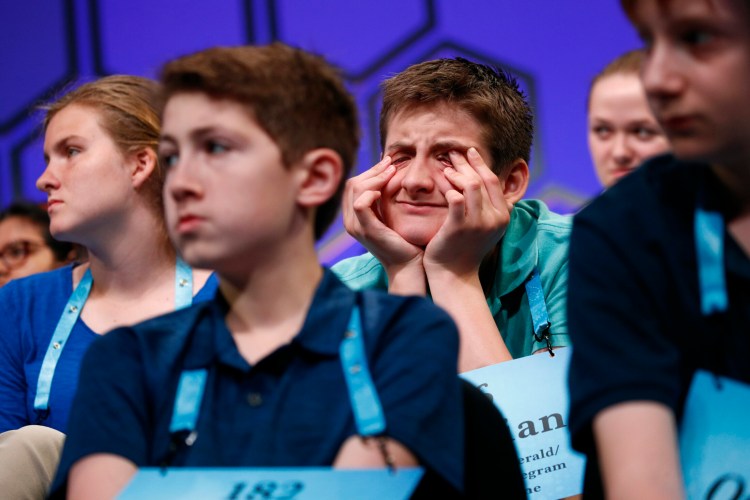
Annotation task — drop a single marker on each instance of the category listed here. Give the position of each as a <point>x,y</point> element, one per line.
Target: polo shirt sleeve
<point>12,377</point>
<point>415,371</point>
<point>108,413</point>
<point>617,294</point>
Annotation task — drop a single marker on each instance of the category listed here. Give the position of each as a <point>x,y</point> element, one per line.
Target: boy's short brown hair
<point>491,96</point>
<point>296,97</point>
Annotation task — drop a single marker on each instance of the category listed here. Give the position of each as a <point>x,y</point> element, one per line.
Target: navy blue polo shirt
<point>292,407</point>
<point>634,303</point>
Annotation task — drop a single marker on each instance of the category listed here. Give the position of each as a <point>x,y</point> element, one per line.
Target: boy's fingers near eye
<point>466,177</point>
<point>459,162</point>
<point>375,178</point>
<point>375,170</point>
<point>379,167</point>
<point>489,178</point>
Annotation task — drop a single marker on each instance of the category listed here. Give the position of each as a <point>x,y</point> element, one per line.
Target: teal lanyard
<point>183,298</point>
<point>538,307</point>
<point>709,249</point>
<point>368,412</point>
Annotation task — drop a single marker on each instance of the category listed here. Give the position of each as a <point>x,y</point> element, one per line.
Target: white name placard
<point>532,393</point>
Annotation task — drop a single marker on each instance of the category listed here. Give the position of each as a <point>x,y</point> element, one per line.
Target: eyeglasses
<point>15,253</point>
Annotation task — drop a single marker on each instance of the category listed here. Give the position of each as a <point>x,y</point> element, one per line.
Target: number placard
<point>250,483</point>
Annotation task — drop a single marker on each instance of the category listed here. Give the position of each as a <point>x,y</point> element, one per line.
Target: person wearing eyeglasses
<point>26,245</point>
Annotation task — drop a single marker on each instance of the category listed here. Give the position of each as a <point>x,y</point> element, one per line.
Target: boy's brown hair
<point>491,96</point>
<point>296,97</point>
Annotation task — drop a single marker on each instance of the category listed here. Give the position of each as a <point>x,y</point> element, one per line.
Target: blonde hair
<point>629,63</point>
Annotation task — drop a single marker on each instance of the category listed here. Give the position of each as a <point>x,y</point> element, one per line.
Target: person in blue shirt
<point>103,183</point>
<point>257,142</point>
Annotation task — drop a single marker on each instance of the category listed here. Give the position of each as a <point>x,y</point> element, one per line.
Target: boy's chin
<point>418,238</point>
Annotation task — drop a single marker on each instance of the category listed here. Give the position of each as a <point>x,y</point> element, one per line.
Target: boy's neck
<point>268,304</point>
<point>737,180</point>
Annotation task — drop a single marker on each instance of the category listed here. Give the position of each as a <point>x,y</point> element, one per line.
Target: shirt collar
<point>519,254</point>
<point>321,332</point>
<point>328,316</point>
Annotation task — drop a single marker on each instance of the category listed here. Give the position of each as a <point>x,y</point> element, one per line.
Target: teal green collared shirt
<point>535,237</point>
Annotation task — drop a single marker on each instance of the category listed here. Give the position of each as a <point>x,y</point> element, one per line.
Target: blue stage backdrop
<point>554,47</point>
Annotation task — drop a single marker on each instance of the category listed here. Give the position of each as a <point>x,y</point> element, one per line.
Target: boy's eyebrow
<point>450,145</point>
<point>166,138</point>
<point>195,134</point>
<point>399,145</point>
<point>445,145</point>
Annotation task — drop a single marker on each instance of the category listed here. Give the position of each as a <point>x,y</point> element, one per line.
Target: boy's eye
<point>71,151</point>
<point>169,159</point>
<point>214,148</point>
<point>399,160</point>
<point>697,37</point>
<point>445,158</point>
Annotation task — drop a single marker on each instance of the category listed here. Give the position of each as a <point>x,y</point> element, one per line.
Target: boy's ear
<point>516,181</point>
<point>320,175</point>
<point>143,165</point>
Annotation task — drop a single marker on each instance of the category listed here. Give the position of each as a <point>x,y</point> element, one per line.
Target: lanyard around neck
<point>183,298</point>
<point>363,397</point>
<point>709,249</point>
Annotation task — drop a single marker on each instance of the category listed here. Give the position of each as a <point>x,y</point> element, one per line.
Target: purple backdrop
<point>553,47</point>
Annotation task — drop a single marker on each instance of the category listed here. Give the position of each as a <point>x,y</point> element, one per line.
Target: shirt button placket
<point>254,399</point>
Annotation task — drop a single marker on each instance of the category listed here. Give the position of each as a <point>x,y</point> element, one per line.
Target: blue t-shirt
<point>30,309</point>
<point>292,407</point>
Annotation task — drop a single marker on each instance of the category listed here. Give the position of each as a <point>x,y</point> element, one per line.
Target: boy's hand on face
<point>362,220</point>
<point>478,215</point>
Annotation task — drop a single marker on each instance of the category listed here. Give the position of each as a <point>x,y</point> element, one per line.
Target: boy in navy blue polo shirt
<point>257,142</point>
<point>655,296</point>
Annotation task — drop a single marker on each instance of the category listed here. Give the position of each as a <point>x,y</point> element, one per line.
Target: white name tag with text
<point>532,393</point>
<point>298,483</point>
<point>715,439</point>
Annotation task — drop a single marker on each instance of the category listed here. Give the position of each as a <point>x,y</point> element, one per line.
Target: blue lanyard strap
<point>538,307</point>
<point>183,287</point>
<point>368,412</point>
<point>709,248</point>
<point>183,298</point>
<point>59,338</point>
<point>187,404</point>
